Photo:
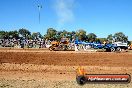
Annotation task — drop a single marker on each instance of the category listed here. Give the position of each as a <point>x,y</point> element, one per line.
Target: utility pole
<point>39,8</point>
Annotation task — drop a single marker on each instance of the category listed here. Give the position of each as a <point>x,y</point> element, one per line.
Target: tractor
<point>59,45</point>
<point>130,47</point>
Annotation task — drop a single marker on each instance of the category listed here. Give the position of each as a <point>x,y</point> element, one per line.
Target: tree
<point>25,33</point>
<point>91,37</point>
<point>69,35</point>
<point>36,35</point>
<point>39,35</point>
<point>2,34</point>
<point>119,36</point>
<point>51,34</point>
<point>64,33</point>
<point>10,34</point>
<point>101,40</point>
<point>14,34</point>
<point>58,35</point>
<point>110,38</point>
<point>81,34</point>
<point>73,33</point>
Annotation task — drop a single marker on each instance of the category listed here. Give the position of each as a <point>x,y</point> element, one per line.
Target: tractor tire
<point>107,50</point>
<point>64,47</point>
<point>51,48</point>
<point>118,49</point>
<point>81,80</point>
<point>112,49</point>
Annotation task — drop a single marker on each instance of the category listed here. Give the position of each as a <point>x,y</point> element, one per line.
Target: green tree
<point>39,35</point>
<point>36,35</point>
<point>120,36</point>
<point>64,33</point>
<point>101,40</point>
<point>2,34</point>
<point>69,35</point>
<point>73,33</point>
<point>14,34</point>
<point>91,37</point>
<point>51,34</point>
<point>110,38</point>
<point>81,34</point>
<point>58,35</point>
<point>25,33</point>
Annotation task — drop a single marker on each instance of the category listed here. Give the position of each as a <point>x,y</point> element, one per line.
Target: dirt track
<point>42,69</point>
<point>67,58</point>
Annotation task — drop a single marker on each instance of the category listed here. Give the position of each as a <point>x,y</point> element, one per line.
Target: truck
<point>116,46</point>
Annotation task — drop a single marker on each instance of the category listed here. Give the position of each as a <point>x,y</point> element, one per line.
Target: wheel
<point>107,50</point>
<point>81,80</point>
<point>118,49</point>
<point>112,49</point>
<point>51,48</point>
<point>64,47</point>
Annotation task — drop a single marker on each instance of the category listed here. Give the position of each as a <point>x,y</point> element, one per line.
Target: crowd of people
<point>24,43</point>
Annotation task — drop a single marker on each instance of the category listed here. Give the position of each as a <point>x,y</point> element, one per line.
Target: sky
<point>102,17</point>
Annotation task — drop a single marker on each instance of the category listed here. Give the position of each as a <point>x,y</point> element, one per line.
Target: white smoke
<point>64,10</point>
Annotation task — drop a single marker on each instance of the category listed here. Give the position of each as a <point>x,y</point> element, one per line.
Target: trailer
<point>116,46</point>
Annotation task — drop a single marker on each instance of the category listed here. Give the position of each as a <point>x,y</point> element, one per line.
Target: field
<point>40,68</point>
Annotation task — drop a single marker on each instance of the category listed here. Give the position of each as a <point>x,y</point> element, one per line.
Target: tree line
<point>53,34</point>
<point>20,34</point>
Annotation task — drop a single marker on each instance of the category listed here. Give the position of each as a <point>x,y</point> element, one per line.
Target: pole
<point>39,8</point>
